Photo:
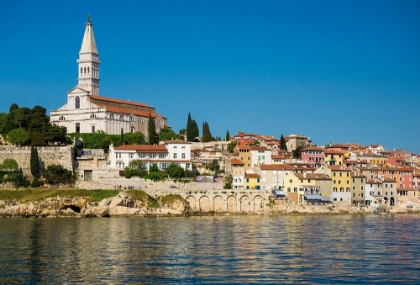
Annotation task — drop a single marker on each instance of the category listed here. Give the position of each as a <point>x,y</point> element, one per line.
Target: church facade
<point>87,112</point>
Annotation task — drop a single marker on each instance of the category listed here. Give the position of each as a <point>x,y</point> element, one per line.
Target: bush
<point>36,183</point>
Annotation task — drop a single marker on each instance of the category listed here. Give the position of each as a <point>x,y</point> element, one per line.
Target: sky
<point>335,71</point>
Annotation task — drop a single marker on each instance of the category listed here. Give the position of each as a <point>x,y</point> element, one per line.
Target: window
<point>61,118</point>
<point>247,180</point>
<point>161,155</point>
<point>131,155</point>
<point>175,156</point>
<point>93,129</point>
<point>187,166</point>
<point>93,116</point>
<point>183,155</point>
<point>258,180</point>
<point>77,102</point>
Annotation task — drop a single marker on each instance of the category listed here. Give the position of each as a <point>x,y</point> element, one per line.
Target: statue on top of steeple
<point>88,18</point>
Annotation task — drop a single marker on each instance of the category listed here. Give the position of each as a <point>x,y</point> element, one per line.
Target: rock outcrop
<point>118,206</point>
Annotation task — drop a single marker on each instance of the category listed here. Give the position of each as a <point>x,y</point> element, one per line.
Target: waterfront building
<point>358,185</point>
<point>340,176</point>
<point>175,151</point>
<point>238,173</point>
<point>87,112</point>
<point>373,191</point>
<point>273,175</point>
<point>260,155</point>
<point>252,181</point>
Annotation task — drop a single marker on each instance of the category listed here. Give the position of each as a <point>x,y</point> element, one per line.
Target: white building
<point>176,151</point>
<point>86,111</point>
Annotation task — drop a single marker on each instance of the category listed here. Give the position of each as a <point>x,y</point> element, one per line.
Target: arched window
<point>121,117</point>
<point>85,70</point>
<point>61,118</point>
<point>93,116</point>
<point>77,102</point>
<point>132,129</point>
<point>111,116</point>
<point>88,69</point>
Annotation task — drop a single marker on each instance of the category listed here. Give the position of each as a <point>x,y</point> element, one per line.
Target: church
<point>87,112</point>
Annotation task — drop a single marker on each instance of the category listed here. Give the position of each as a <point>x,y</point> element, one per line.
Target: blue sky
<point>340,71</point>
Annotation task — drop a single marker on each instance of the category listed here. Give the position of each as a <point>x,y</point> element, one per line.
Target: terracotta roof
<point>337,168</point>
<point>407,189</point>
<point>236,161</point>
<point>276,167</point>
<point>315,176</point>
<point>334,152</point>
<point>258,148</point>
<point>252,175</point>
<point>114,100</point>
<point>141,113</point>
<point>312,148</point>
<point>143,148</point>
<point>244,147</point>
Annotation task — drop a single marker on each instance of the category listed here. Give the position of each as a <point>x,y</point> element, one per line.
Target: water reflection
<point>222,250</point>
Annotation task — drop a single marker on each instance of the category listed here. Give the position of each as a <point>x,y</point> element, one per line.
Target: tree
<point>122,137</point>
<point>231,146</point>
<point>255,142</point>
<point>34,161</point>
<point>166,134</point>
<point>3,118</point>
<point>227,138</point>
<point>206,133</point>
<point>296,152</point>
<point>18,137</point>
<point>152,130</point>
<point>194,131</point>
<point>154,173</point>
<point>10,164</point>
<point>190,136</point>
<point>38,121</point>
<point>57,174</point>
<point>283,145</point>
<point>214,166</point>
<point>134,138</point>
<point>13,107</point>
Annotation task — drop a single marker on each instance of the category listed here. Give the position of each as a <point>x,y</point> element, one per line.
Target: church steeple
<point>89,62</point>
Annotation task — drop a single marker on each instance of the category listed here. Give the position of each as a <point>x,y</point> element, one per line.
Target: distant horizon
<point>345,72</point>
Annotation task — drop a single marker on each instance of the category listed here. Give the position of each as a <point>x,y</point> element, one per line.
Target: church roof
<point>118,101</point>
<point>88,44</point>
<point>140,113</point>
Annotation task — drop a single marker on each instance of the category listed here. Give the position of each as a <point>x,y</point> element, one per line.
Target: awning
<point>327,199</point>
<point>312,197</point>
<point>279,192</point>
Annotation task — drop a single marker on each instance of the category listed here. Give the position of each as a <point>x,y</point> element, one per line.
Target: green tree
<point>3,118</point>
<point>283,145</point>
<point>190,135</point>
<point>38,121</point>
<point>122,137</point>
<point>166,134</point>
<point>194,131</point>
<point>231,146</point>
<point>296,152</point>
<point>228,182</point>
<point>175,171</point>
<point>135,168</point>
<point>18,137</point>
<point>154,173</point>
<point>134,138</point>
<point>206,133</point>
<point>152,130</point>
<point>227,138</point>
<point>10,164</point>
<point>57,174</point>
<point>13,107</point>
<point>255,142</point>
<point>214,166</point>
<point>34,161</point>
<point>56,134</point>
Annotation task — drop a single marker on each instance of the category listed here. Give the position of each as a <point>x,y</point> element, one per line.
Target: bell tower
<point>88,62</point>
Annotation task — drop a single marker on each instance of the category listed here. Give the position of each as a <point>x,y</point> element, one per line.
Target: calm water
<point>374,249</point>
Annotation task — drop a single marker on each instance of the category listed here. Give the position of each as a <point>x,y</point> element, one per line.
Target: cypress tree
<point>189,129</point>
<point>206,133</point>
<point>34,162</point>
<point>152,130</point>
<point>194,131</point>
<point>227,136</point>
<point>283,145</point>
<point>122,137</point>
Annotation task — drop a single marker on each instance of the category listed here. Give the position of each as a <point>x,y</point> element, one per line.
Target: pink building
<point>313,156</point>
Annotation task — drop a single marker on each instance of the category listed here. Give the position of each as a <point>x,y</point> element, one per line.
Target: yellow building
<point>341,180</point>
<point>334,157</point>
<point>245,155</point>
<point>299,184</point>
<point>252,181</point>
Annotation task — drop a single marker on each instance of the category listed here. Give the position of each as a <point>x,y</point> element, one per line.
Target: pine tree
<point>34,162</point>
<point>283,145</point>
<point>227,136</point>
<point>152,130</point>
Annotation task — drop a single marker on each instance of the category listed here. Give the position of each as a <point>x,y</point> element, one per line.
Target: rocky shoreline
<point>125,206</point>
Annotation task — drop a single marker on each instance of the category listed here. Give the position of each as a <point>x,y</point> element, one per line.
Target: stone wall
<point>62,155</point>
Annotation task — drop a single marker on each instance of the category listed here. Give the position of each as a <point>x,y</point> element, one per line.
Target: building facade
<point>87,112</point>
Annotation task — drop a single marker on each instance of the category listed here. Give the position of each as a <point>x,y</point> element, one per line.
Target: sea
<point>241,249</point>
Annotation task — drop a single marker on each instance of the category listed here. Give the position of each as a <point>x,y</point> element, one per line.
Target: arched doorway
<point>245,204</point>
<point>231,204</point>
<point>392,201</point>
<point>193,202</point>
<point>218,204</point>
<point>205,204</point>
<point>258,204</point>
